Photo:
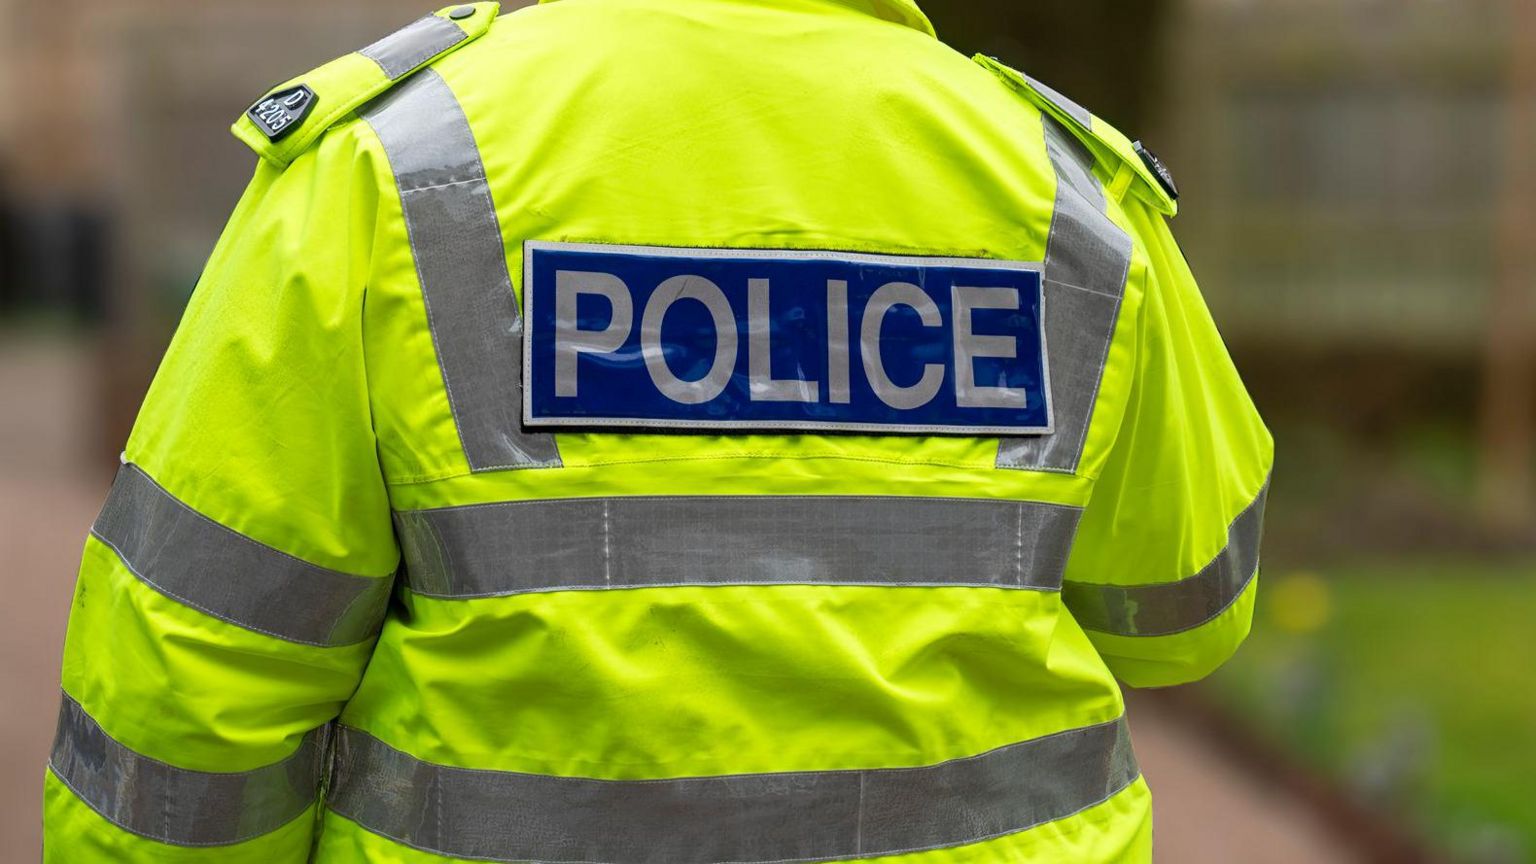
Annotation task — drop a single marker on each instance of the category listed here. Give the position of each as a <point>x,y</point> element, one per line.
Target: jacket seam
<point>979,466</point>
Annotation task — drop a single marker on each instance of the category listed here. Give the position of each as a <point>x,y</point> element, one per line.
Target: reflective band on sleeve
<point>202,564</point>
<point>1087,259</point>
<point>1172,607</point>
<point>184,808</point>
<point>593,543</point>
<point>742,818</point>
<point>414,44</point>
<point>461,262</point>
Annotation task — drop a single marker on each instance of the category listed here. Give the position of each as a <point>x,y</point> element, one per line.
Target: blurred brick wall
<point>7,44</point>
<point>1340,162</point>
<point>69,64</point>
<point>114,114</point>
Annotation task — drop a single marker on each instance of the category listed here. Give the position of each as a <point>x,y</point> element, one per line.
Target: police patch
<point>737,339</point>
<point>283,111</point>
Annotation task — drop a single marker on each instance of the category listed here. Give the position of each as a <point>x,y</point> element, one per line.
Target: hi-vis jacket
<point>676,431</point>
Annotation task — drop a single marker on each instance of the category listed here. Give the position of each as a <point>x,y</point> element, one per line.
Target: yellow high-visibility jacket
<point>388,573</point>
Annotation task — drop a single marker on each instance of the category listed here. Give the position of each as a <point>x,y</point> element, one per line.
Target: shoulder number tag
<point>1164,176</point>
<point>738,339</point>
<point>282,112</point>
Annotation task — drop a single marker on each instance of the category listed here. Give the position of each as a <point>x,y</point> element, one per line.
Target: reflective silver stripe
<point>782,818</point>
<point>1073,165</point>
<point>196,561</point>
<point>461,262</point>
<point>1087,260</point>
<point>1172,607</point>
<point>1072,109</point>
<point>173,805</point>
<point>593,543</point>
<point>414,44</point>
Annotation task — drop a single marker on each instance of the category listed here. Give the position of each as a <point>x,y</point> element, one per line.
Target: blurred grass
<point>1409,683</point>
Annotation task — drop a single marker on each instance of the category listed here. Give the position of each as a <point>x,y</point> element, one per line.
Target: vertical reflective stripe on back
<point>414,44</point>
<point>1073,165</point>
<point>1072,109</point>
<point>173,805</point>
<point>743,818</point>
<point>461,261</point>
<point>1087,260</point>
<point>1165,608</point>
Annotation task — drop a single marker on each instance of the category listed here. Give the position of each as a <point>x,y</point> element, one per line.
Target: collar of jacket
<point>900,11</point>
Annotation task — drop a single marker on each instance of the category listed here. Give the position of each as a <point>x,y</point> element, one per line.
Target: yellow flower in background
<point>1300,603</point>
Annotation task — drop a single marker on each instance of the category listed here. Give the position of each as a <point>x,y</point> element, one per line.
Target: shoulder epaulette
<point>1130,166</point>
<point>290,117</point>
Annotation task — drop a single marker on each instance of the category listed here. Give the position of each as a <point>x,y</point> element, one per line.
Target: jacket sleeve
<point>1164,572</point>
<point>231,589</point>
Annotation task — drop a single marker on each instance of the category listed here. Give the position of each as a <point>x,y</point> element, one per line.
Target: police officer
<point>673,431</point>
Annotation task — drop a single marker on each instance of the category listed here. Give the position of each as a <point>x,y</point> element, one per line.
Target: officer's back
<point>672,431</point>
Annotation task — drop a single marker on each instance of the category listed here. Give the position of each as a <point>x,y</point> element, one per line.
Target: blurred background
<point>1359,183</point>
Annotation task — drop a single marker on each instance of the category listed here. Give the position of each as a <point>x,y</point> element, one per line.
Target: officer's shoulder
<point>291,117</point>
<point>1143,173</point>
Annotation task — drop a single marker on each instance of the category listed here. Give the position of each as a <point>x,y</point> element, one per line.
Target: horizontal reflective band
<point>184,808</point>
<point>1172,607</point>
<point>414,44</point>
<point>196,561</point>
<point>593,543</point>
<point>786,817</point>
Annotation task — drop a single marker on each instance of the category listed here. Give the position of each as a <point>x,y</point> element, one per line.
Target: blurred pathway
<point>1207,809</point>
<point>49,493</point>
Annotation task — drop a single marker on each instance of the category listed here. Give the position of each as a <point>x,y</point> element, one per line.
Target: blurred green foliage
<point>1409,683</point>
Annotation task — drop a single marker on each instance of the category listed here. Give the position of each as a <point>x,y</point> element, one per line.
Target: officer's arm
<point>232,587</point>
<point>1164,572</point>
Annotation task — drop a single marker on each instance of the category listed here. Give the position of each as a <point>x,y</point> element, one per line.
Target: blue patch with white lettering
<point>739,339</point>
